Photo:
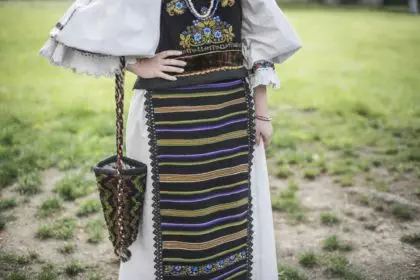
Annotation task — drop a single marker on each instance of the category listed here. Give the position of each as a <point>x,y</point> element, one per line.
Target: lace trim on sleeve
<point>81,62</point>
<point>264,76</point>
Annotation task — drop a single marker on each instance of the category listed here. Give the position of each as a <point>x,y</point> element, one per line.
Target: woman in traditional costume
<point>199,119</point>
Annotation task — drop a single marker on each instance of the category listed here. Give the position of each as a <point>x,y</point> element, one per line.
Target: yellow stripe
<point>236,274</point>
<point>206,190</point>
<point>204,259</point>
<point>176,178</point>
<point>202,141</point>
<point>202,120</point>
<point>173,232</point>
<point>204,211</point>
<point>202,162</point>
<point>174,109</point>
<point>197,94</point>
<point>178,245</point>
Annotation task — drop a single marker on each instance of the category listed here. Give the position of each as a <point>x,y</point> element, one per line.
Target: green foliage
<point>333,243</point>
<point>74,185</point>
<point>338,265</point>
<point>95,230</point>
<point>311,173</point>
<point>290,273</point>
<point>345,180</point>
<point>17,276</point>
<point>88,207</point>
<point>62,228</point>
<point>67,249</point>
<point>308,259</point>
<point>284,172</point>
<point>6,204</point>
<point>287,201</point>
<point>413,239</point>
<point>329,219</point>
<point>50,206</point>
<point>48,272</point>
<point>30,183</point>
<point>401,212</point>
<point>74,268</point>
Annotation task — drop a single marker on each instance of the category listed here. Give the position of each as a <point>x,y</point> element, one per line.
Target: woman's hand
<point>264,129</point>
<point>156,66</point>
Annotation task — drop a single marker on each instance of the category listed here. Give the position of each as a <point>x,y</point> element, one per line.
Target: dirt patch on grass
<point>377,251</point>
<point>19,236</point>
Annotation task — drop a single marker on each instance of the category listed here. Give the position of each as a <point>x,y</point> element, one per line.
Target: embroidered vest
<point>211,47</point>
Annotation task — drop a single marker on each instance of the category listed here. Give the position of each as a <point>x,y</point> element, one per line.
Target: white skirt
<point>141,264</point>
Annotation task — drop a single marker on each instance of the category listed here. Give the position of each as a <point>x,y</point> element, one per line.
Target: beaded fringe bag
<point>121,183</point>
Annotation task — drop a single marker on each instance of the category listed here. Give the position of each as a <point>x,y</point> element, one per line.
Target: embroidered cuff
<point>263,73</point>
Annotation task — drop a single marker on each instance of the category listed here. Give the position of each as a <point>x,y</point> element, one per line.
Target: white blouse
<point>92,34</point>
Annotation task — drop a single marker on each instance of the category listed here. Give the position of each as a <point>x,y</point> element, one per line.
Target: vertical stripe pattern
<point>201,147</point>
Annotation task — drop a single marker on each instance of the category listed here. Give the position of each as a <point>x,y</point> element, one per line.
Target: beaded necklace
<point>207,12</point>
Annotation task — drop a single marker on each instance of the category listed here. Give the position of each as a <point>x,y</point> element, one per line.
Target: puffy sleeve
<point>267,37</point>
<point>92,35</point>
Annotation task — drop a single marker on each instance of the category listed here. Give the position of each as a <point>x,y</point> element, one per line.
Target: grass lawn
<point>349,102</point>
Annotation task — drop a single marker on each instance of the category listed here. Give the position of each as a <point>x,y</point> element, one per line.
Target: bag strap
<point>119,102</point>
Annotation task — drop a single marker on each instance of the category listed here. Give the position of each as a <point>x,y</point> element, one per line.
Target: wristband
<point>263,118</point>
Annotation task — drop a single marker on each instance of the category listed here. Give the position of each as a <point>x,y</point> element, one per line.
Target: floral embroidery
<point>229,3</point>
<point>262,64</point>
<point>191,270</point>
<point>178,7</point>
<point>209,31</point>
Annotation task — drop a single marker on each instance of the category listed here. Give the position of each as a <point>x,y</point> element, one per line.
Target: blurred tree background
<point>344,161</point>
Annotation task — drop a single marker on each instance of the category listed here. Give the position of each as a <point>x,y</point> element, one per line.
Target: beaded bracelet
<point>263,118</point>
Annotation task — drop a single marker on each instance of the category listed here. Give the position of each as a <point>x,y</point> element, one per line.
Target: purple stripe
<point>229,272</point>
<point>214,85</point>
<point>207,223</point>
<point>201,127</point>
<point>205,154</point>
<point>204,198</point>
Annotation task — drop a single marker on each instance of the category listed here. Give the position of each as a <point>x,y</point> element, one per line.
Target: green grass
<point>329,219</point>
<point>74,185</point>
<point>413,239</point>
<point>284,172</point>
<point>67,249</point>
<point>62,228</point>
<point>88,207</point>
<point>338,265</point>
<point>308,259</point>
<point>401,212</point>
<point>95,229</point>
<point>50,206</point>
<point>30,183</point>
<point>6,204</point>
<point>287,201</point>
<point>343,92</point>
<point>74,268</point>
<point>48,272</point>
<point>287,272</point>
<point>333,243</point>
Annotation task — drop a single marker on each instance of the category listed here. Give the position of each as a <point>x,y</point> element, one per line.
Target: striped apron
<point>201,142</point>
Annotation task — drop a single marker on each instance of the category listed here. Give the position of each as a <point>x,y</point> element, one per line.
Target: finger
<point>266,142</point>
<point>174,62</point>
<point>166,76</point>
<point>167,53</point>
<point>258,138</point>
<point>172,69</point>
